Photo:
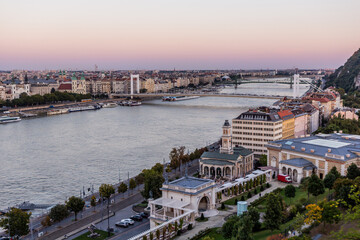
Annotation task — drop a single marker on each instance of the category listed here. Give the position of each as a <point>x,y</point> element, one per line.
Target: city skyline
<point>183,35</point>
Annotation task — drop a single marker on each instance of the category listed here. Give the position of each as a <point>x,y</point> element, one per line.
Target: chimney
<point>329,149</point>
<point>303,149</point>
<point>292,147</point>
<point>340,131</point>
<point>348,155</point>
<point>312,150</point>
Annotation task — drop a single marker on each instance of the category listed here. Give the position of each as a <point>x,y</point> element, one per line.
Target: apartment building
<point>254,129</point>
<point>288,124</point>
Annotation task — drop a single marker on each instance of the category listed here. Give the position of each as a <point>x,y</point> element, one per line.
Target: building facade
<point>254,129</point>
<point>300,157</point>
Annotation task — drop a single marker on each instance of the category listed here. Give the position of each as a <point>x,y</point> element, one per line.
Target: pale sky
<point>181,34</point>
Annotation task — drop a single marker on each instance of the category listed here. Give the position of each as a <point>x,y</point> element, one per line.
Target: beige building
<point>78,85</point>
<point>300,157</point>
<point>2,93</point>
<point>254,129</point>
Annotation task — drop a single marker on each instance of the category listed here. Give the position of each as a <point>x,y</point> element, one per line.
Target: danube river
<point>46,160</point>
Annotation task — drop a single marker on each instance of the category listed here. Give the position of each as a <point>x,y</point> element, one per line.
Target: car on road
<point>128,220</point>
<point>136,217</point>
<point>144,215</point>
<point>122,224</point>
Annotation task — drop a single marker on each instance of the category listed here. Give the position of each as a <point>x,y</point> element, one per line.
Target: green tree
<point>228,227</point>
<point>353,171</point>
<point>93,202</point>
<point>263,160</point>
<point>152,182</point>
<point>331,213</point>
<point>290,192</point>
<point>16,222</point>
<point>106,190</point>
<point>75,204</point>
<point>342,188</point>
<point>58,213</point>
<point>329,180</point>
<point>335,172</point>
<point>304,184</point>
<point>254,215</point>
<point>132,184</point>
<point>157,233</point>
<point>315,186</point>
<point>122,188</point>
<point>272,217</point>
<point>244,228</point>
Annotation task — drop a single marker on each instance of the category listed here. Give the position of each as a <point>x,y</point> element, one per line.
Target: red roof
<point>65,86</point>
<point>285,114</point>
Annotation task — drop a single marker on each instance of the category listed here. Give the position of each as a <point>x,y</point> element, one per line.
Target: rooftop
<point>190,182</point>
<point>337,146</point>
<point>220,156</point>
<point>298,162</point>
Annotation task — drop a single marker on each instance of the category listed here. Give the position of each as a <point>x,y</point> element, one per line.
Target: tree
<point>106,190</point>
<point>298,222</point>
<point>263,160</point>
<point>342,187</point>
<point>122,188</point>
<point>244,228</point>
<point>132,184</point>
<point>58,213</point>
<point>330,213</point>
<point>157,234</point>
<point>272,218</point>
<point>16,222</point>
<point>152,182</point>
<point>315,186</point>
<point>75,204</point>
<point>304,184</point>
<point>93,201</point>
<point>313,214</point>
<point>229,226</point>
<point>290,191</point>
<point>335,172</point>
<point>353,171</point>
<point>329,180</point>
<point>254,215</point>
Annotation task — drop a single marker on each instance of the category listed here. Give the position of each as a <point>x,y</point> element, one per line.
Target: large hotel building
<point>254,129</point>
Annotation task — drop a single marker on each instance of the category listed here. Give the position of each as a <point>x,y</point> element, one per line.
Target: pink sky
<point>166,34</point>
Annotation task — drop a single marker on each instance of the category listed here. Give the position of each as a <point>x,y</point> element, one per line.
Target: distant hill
<point>345,76</point>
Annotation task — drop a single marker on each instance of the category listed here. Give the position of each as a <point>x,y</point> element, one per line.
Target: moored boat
<point>7,119</point>
<point>178,98</point>
<point>109,105</point>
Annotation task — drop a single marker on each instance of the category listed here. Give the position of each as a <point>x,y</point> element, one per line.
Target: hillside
<point>344,76</point>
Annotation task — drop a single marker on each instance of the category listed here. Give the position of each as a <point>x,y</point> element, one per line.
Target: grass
<point>303,194</point>
<point>220,209</point>
<point>231,201</point>
<point>202,220</point>
<point>215,235</point>
<point>262,235</point>
<point>103,235</point>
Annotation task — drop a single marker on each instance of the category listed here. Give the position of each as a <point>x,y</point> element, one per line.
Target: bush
<point>202,217</point>
<point>236,200</point>
<point>222,206</point>
<point>255,191</point>
<point>249,195</point>
<point>267,185</point>
<point>190,226</point>
<point>303,201</point>
<point>242,198</point>
<point>261,188</point>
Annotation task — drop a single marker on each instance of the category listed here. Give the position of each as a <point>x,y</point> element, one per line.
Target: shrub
<point>249,195</point>
<point>242,198</point>
<point>190,226</point>
<point>222,206</point>
<point>303,201</point>
<point>255,191</point>
<point>261,188</point>
<point>202,216</point>
<point>267,185</point>
<point>235,201</point>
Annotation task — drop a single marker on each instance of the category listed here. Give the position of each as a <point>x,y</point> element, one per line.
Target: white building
<point>185,197</point>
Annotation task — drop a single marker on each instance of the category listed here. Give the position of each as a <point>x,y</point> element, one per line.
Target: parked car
<point>122,224</point>
<point>136,217</point>
<point>128,220</point>
<point>144,215</point>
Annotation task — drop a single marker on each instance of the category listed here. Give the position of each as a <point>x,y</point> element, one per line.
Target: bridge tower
<point>296,87</point>
<point>132,76</point>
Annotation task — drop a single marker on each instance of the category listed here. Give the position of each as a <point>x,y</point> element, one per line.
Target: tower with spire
<point>226,139</point>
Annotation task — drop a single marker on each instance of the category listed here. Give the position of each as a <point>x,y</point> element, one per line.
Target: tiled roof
<point>220,156</point>
<point>216,162</point>
<point>298,162</point>
<point>65,87</point>
<point>190,182</point>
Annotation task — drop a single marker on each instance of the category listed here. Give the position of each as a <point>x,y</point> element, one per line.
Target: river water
<point>46,160</point>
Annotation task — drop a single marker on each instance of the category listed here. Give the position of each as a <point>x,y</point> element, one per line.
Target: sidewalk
<point>218,220</point>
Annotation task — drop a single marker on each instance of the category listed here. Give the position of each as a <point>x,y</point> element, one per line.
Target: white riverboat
<point>178,98</point>
<point>109,105</point>
<point>84,108</point>
<point>7,119</point>
<point>57,111</point>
